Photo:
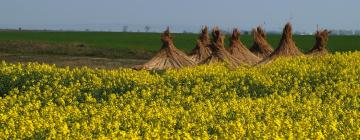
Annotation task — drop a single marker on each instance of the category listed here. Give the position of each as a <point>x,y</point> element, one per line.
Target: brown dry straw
<point>240,51</point>
<point>168,57</point>
<point>320,47</point>
<point>260,47</point>
<point>286,47</point>
<point>202,48</point>
<point>219,53</point>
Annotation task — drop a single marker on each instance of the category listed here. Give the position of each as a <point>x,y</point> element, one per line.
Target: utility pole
<point>317,27</point>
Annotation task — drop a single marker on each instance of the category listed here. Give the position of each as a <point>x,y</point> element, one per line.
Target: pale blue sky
<point>187,14</point>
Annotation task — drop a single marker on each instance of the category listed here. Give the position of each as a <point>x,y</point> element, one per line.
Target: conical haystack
<point>286,47</point>
<point>240,51</point>
<point>261,47</point>
<point>168,56</point>
<point>218,51</point>
<point>202,49</point>
<point>320,46</point>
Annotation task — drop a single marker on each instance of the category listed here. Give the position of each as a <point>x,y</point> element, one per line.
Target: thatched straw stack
<point>286,47</point>
<point>202,49</point>
<point>320,47</point>
<point>168,57</point>
<point>218,51</point>
<point>261,47</point>
<point>240,51</point>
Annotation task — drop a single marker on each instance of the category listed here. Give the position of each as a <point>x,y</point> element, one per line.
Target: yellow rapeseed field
<point>296,98</point>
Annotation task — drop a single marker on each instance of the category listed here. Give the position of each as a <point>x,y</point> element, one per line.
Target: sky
<point>181,15</point>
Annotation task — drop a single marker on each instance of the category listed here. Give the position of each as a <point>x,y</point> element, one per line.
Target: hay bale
<point>286,47</point>
<point>260,47</point>
<point>218,51</point>
<point>320,47</point>
<point>168,57</point>
<point>202,48</point>
<point>240,51</point>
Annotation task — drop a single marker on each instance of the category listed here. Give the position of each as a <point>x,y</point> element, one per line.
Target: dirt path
<point>71,61</point>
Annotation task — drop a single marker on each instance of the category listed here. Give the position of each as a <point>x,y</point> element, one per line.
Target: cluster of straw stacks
<point>213,50</point>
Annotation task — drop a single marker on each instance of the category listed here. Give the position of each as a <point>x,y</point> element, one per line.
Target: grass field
<point>151,41</point>
<point>116,49</point>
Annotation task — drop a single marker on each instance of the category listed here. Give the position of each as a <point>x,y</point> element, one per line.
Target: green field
<point>151,41</point>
